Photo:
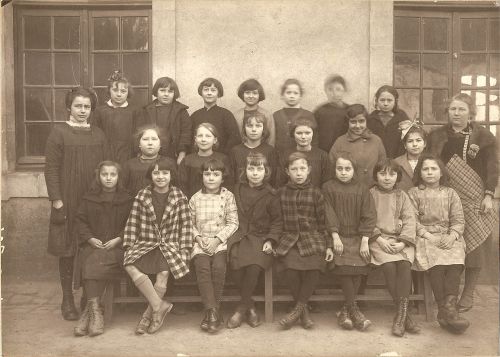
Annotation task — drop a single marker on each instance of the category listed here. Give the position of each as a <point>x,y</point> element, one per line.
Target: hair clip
<point>116,75</point>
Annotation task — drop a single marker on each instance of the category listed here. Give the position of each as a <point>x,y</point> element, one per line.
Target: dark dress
<point>224,122</point>
<point>103,216</point>
<point>119,126</point>
<point>389,133</point>
<point>331,124</point>
<point>238,159</point>
<point>321,167</point>
<point>259,215</point>
<point>72,154</point>
<point>283,120</point>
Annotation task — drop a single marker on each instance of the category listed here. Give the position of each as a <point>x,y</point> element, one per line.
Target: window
<point>440,53</point>
<point>61,49</point>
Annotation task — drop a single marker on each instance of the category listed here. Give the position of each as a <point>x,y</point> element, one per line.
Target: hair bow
<point>406,125</point>
<point>115,76</point>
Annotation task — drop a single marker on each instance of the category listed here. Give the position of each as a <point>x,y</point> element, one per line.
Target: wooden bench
<point>117,294</point>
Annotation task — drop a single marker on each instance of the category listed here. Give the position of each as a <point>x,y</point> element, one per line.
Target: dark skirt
<point>476,258</point>
<point>350,270</point>
<point>247,252</point>
<point>293,260</point>
<point>152,262</point>
<point>101,264</point>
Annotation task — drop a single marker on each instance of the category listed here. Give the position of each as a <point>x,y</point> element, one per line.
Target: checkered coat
<point>174,235</point>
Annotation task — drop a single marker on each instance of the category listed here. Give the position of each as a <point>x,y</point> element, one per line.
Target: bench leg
<point>428,298</point>
<point>268,294</point>
<point>419,289</point>
<point>108,302</point>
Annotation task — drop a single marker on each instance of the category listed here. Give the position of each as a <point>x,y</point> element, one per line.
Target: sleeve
<point>368,219</point>
<point>82,221</point>
<point>183,177</point>
<point>192,213</point>
<point>272,129</point>
<point>126,176</point>
<point>326,168</point>
<point>229,180</point>
<point>185,135</point>
<point>336,147</point>
<point>274,165</point>
<point>491,165</point>
<point>321,217</point>
<point>456,213</point>
<point>132,227</point>
<point>332,220</point>
<point>232,132</point>
<point>230,219</point>
<point>96,119</point>
<point>382,155</point>
<point>276,221</point>
<point>185,233</point>
<point>407,216</point>
<point>234,166</point>
<point>54,151</point>
<point>412,193</point>
<point>123,220</point>
<point>281,176</point>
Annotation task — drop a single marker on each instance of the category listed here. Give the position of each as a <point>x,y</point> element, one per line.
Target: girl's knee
<point>162,277</point>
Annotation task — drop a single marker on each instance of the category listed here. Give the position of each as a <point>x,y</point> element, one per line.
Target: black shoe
<point>236,320</point>
<point>214,320</point>
<point>68,308</point>
<point>204,322</point>
<point>253,318</point>
<point>305,320</point>
<point>289,320</point>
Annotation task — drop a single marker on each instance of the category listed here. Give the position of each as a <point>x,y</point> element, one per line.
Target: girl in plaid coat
<point>304,245</point>
<point>158,239</point>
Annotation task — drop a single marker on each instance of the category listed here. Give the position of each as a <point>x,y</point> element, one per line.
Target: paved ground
<point>32,326</point>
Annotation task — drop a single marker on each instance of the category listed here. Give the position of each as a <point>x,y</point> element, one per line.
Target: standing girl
<point>72,153</point>
<point>440,246</point>
<point>251,93</point>
<point>171,116</point>
<point>117,118</point>
<point>350,219</point>
<point>215,218</point>
<point>210,89</point>
<point>393,243</point>
<point>304,246</point>
<point>255,136</point>
<point>365,147</point>
<point>205,140</point>
<point>250,248</point>
<point>331,115</point>
<point>158,239</point>
<point>414,142</point>
<point>101,219</point>
<point>291,94</point>
<point>384,121</point>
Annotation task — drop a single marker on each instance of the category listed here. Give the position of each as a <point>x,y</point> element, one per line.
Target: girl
<point>250,248</point>
<point>215,218</point>
<point>170,115</point>
<point>414,142</point>
<point>304,245</point>
<point>101,219</point>
<point>350,219</point>
<point>206,139</point>
<point>158,239</point>
<point>384,120</point>
<point>255,135</point>
<point>251,93</point>
<point>365,147</point>
<point>393,243</point>
<point>302,130</point>
<point>117,118</point>
<point>72,153</point>
<point>210,89</point>
<point>147,139</point>
<point>440,246</point>
<point>291,94</point>
<point>330,116</point>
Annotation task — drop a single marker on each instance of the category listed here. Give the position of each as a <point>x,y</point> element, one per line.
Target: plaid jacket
<point>303,211</point>
<point>174,236</point>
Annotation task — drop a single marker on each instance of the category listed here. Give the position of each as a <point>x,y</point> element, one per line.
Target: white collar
<point>124,105</point>
<point>72,122</point>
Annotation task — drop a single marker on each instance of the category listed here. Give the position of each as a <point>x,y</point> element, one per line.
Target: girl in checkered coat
<point>158,239</point>
<point>304,246</point>
<point>215,218</point>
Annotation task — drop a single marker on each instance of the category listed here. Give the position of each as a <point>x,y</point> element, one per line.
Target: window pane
<point>106,33</point>
<point>102,95</point>
<point>494,34</point>
<point>140,97</point>
<point>479,98</point>
<point>494,70</point>
<point>435,34</point>
<point>104,65</point>
<point>36,32</point>
<point>473,70</point>
<point>60,101</point>
<point>406,67</point>
<point>473,32</point>
<point>67,68</point>
<point>38,104</point>
<point>36,137</point>
<point>409,101</point>
<point>136,67</point>
<point>494,105</point>
<point>435,70</point>
<point>135,33</point>
<point>37,67</point>
<point>67,33</point>
<point>434,102</point>
<point>406,33</point>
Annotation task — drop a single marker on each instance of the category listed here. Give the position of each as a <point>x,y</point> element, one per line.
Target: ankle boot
<point>68,308</point>
<point>398,326</point>
<point>305,319</point>
<point>204,322</point>
<point>410,325</point>
<point>214,320</point>
<point>456,323</point>
<point>344,319</point>
<point>82,326</point>
<point>288,321</point>
<point>441,315</point>
<point>253,317</point>
<point>96,319</point>
<point>359,320</point>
